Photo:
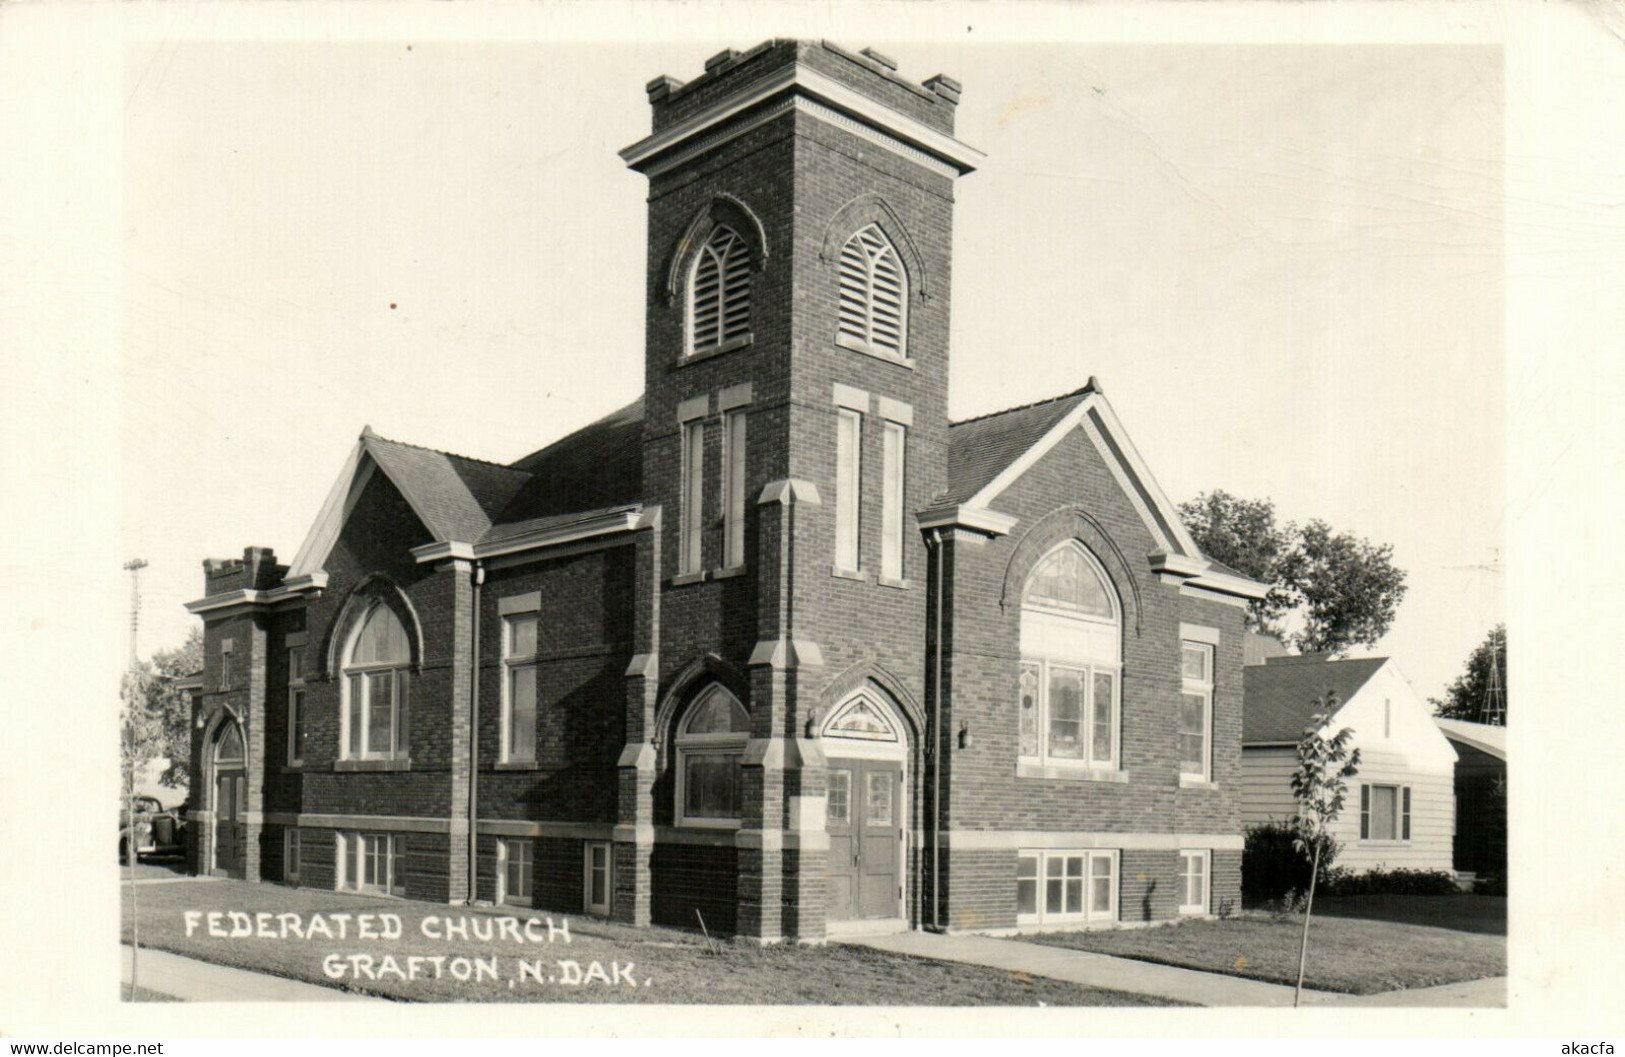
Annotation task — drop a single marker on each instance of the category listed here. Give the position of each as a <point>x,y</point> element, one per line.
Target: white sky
<point>1283,263</point>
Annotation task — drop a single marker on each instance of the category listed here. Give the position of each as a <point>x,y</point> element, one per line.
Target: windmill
<point>1494,710</point>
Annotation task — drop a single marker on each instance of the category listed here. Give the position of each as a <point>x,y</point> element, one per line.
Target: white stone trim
<point>694,407</point>
<point>895,410</point>
<point>335,510</point>
<point>735,396</point>
<point>510,605</point>
<point>851,398</point>
<point>1199,633</point>
<point>965,515</point>
<point>286,591</point>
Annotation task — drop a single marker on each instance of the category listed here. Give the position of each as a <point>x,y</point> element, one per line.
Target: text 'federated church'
<point>777,646</point>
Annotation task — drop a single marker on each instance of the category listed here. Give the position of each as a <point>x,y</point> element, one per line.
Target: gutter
<point>474,743</point>
<point>936,748</point>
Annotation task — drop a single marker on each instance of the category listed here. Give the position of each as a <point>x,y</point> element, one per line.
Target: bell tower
<point>796,379</point>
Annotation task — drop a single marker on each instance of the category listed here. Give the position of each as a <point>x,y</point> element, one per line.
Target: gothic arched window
<point>710,745</point>
<point>376,660</point>
<point>874,295</point>
<point>1071,662</point>
<point>719,292</point>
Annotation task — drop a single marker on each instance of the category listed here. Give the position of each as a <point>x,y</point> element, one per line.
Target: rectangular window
<point>733,489</point>
<point>1067,714</point>
<point>840,798</point>
<point>596,897</point>
<point>1196,710</point>
<point>848,487</point>
<point>891,501</point>
<point>693,484</point>
<point>1385,812</point>
<point>519,635</point>
<point>290,855</point>
<point>711,785</point>
<point>225,664</point>
<point>1066,885</point>
<point>296,705</point>
<point>515,863</point>
<point>1193,882</point>
<point>371,862</point>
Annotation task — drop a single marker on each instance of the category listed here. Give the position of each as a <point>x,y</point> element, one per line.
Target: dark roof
<point>599,465</point>
<point>1257,647</point>
<point>457,497</point>
<point>1278,696</point>
<point>979,449</point>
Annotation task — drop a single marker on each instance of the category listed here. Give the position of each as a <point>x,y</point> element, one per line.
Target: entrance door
<point>865,825</point>
<point>230,804</point>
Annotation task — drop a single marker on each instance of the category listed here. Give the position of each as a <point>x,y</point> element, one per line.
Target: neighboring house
<point>777,644</point>
<point>1401,805</point>
<point>1481,795</point>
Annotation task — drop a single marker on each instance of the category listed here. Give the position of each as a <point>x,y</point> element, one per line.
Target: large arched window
<point>719,292</point>
<point>376,660</point>
<point>710,745</point>
<point>1071,662</point>
<point>874,295</point>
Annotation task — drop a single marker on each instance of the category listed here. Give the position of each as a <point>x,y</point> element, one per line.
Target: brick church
<point>777,646</point>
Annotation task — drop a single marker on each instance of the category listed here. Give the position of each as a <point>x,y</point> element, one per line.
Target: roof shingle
<point>599,465</point>
<point>979,449</point>
<point>456,496</point>
<point>1278,696</point>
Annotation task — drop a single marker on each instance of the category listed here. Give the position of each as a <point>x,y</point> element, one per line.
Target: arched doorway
<point>866,810</point>
<point>230,800</point>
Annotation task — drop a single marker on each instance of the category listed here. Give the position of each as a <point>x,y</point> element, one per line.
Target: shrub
<point>1494,884</point>
<point>1272,867</point>
<point>1401,882</point>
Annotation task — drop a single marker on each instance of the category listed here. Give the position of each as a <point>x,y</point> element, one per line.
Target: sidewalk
<point>1161,981</point>
<point>193,981</point>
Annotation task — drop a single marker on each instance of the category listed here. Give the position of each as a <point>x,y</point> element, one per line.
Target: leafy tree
<point>1466,697</point>
<point>1344,590</point>
<point>158,715</point>
<point>1321,786</point>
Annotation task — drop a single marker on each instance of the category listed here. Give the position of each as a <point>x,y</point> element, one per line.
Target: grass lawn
<point>1464,913</point>
<point>662,965</point>
<point>1345,954</point>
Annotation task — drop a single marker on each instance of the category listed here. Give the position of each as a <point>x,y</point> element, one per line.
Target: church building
<point>777,647</point>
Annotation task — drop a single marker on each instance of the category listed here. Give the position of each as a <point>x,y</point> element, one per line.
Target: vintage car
<point>147,828</point>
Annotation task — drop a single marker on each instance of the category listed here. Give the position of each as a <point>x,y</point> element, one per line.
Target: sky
<point>1284,264</point>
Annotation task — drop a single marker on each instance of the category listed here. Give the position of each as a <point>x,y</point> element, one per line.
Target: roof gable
<point>1484,737</point>
<point>1278,697</point>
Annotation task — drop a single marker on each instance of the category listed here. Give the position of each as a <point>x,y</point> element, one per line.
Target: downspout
<point>474,743</point>
<point>936,751</point>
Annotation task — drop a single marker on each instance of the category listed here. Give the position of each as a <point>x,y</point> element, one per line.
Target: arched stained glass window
<point>710,745</point>
<point>874,295</point>
<point>1068,694</point>
<point>376,661</point>
<point>860,719</point>
<point>229,749</point>
<point>719,291</point>
<point>1066,578</point>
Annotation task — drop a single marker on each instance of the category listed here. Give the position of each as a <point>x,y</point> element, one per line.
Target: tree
<point>1343,590</point>
<point>158,714</point>
<point>1321,785</point>
<point>1466,697</point>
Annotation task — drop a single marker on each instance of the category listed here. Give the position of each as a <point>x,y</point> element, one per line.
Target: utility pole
<point>131,841</point>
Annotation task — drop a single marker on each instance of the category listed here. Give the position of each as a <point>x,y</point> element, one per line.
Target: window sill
<point>849,574</point>
<point>514,765</point>
<point>402,764</point>
<point>854,344</point>
<point>717,350</point>
<point>1070,774</point>
<point>1381,843</point>
<point>684,579</point>
<point>728,573</point>
<point>901,585</point>
<point>1190,781</point>
<point>709,823</point>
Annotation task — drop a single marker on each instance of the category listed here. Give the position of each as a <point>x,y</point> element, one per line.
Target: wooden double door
<point>866,818</point>
<point>230,831</point>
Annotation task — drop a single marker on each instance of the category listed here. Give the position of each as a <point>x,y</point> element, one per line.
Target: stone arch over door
<point>1057,526</point>
<point>380,589</point>
<point>721,209</point>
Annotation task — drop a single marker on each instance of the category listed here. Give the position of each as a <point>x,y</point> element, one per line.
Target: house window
<point>1196,710</point>
<point>225,664</point>
<point>1385,812</point>
<point>1193,881</point>
<point>296,706</point>
<point>519,687</point>
<point>693,485</point>
<point>290,855</point>
<point>1068,695</point>
<point>874,295</point>
<point>733,489</point>
<point>371,862</point>
<point>376,658</point>
<point>719,292</point>
<point>595,897</point>
<point>710,745</point>
<point>894,439</point>
<point>848,486</point>
<point>515,864</point>
<point>1066,885</point>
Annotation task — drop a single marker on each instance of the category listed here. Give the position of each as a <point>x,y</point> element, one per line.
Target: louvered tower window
<point>719,292</point>
<point>874,293</point>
